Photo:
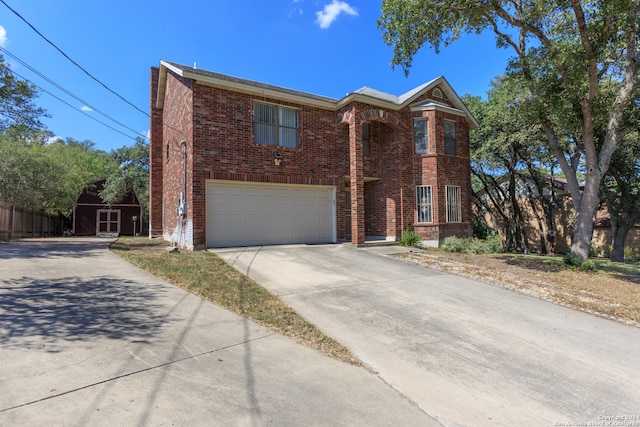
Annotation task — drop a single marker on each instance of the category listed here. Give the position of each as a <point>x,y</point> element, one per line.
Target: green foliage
<point>571,260</point>
<point>630,253</point>
<point>480,229</point>
<point>588,265</point>
<point>621,188</point>
<point>578,66</point>
<point>574,262</point>
<point>491,245</point>
<point>131,175</point>
<point>410,239</point>
<point>595,251</point>
<point>506,149</point>
<point>16,101</point>
<point>47,176</point>
<point>453,244</point>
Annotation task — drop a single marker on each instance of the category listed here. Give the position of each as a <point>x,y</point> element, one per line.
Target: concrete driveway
<point>468,353</point>
<point>88,340</point>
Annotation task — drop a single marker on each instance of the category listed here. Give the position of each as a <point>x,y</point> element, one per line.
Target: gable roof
<point>365,94</point>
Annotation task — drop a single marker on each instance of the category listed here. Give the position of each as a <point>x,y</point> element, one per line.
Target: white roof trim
<point>365,94</point>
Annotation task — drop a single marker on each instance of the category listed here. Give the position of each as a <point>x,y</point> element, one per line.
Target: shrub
<point>594,251</point>
<point>410,239</point>
<point>480,229</point>
<point>571,260</point>
<point>453,244</point>
<point>588,265</point>
<point>492,245</point>
<point>630,253</point>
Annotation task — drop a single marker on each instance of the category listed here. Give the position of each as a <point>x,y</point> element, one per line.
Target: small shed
<point>92,216</point>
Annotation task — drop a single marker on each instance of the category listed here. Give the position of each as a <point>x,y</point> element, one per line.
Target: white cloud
<point>295,10</point>
<point>3,36</point>
<point>331,11</point>
<point>53,139</point>
<point>86,108</point>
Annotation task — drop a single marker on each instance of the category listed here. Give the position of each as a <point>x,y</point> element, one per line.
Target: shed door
<point>246,214</point>
<point>108,221</point>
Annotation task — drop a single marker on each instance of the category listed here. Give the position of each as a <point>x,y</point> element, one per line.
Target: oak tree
<point>565,51</point>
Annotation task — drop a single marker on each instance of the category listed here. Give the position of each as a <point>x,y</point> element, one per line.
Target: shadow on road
<point>70,309</point>
<point>51,248</point>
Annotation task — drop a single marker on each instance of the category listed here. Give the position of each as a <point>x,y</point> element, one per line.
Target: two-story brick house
<point>236,162</point>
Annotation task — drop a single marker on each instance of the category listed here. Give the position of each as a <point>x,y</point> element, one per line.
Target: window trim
<point>426,135</point>
<point>419,204</point>
<point>277,125</point>
<point>455,141</point>
<point>454,211</point>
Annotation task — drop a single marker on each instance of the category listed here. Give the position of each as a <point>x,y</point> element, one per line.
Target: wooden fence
<point>16,222</point>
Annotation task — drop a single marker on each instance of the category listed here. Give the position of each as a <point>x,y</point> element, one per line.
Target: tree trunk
<point>620,233</point>
<point>583,227</point>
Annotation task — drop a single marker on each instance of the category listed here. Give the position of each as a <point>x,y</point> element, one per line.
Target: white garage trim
<point>250,213</point>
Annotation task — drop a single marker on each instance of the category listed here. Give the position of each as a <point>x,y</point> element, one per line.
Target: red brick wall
<point>224,148</point>
<point>178,127</point>
<point>217,125</point>
<point>155,160</point>
<point>439,171</point>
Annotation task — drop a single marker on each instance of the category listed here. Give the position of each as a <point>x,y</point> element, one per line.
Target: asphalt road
<point>88,340</point>
<point>468,353</point>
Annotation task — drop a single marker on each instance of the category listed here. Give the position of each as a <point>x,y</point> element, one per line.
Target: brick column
<point>356,174</point>
<point>155,160</point>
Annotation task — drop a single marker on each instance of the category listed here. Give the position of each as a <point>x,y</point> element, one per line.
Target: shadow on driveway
<point>44,248</point>
<point>71,309</point>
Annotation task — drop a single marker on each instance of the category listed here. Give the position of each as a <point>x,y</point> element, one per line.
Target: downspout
<point>184,167</point>
<point>181,210</point>
<point>182,207</point>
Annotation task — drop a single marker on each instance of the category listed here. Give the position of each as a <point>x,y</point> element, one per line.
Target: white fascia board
<point>438,107</point>
<point>242,86</point>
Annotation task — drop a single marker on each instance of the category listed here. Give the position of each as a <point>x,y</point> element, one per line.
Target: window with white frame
<point>423,203</point>
<point>449,138</point>
<point>454,204</point>
<point>421,135</point>
<point>275,125</point>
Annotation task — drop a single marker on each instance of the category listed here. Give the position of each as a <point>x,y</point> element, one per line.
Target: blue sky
<point>326,47</point>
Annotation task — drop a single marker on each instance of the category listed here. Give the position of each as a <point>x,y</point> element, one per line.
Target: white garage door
<point>246,214</point>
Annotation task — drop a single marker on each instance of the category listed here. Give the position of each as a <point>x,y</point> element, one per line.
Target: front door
<point>108,221</point>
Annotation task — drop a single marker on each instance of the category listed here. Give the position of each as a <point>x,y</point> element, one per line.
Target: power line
<point>69,105</point>
<point>69,92</point>
<point>72,61</point>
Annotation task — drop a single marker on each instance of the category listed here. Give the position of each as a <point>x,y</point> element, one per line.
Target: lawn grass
<point>208,276</point>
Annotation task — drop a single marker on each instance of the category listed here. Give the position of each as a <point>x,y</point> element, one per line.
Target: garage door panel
<point>241,214</point>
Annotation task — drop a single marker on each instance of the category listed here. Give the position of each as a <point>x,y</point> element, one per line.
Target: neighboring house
<point>236,162</point>
<point>92,216</point>
<point>540,235</point>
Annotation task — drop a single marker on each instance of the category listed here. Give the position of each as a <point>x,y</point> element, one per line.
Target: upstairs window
<point>275,125</point>
<point>421,136</point>
<point>449,138</point>
<point>366,139</point>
